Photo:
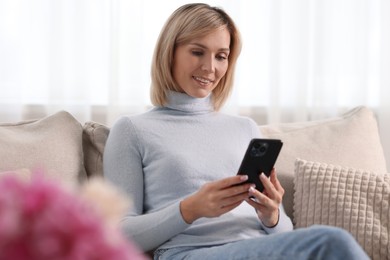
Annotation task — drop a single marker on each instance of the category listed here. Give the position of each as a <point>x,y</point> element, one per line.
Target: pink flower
<point>40,219</point>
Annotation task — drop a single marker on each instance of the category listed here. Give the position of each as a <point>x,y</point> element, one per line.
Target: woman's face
<point>199,65</point>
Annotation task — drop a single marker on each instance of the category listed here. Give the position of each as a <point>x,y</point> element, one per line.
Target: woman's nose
<point>208,64</point>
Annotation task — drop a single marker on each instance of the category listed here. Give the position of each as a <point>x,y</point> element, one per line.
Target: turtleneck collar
<point>183,102</point>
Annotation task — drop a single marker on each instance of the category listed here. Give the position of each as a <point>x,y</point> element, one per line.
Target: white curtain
<point>301,59</point>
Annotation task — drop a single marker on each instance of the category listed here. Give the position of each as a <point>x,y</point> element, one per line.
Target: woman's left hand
<point>267,202</point>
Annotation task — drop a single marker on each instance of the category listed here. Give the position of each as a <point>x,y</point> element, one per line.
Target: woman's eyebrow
<point>205,47</point>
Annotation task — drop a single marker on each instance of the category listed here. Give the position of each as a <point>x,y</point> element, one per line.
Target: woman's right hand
<point>215,198</point>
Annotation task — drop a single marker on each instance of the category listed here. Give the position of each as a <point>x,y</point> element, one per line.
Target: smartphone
<point>259,157</point>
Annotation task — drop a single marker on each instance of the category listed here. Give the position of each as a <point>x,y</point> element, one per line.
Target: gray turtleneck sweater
<point>161,156</point>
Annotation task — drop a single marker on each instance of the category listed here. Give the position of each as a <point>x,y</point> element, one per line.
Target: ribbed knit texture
<point>352,199</point>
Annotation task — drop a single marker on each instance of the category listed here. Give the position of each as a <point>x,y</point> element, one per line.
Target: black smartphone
<point>259,157</point>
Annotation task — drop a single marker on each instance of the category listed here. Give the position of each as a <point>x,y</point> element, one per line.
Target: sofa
<point>333,170</point>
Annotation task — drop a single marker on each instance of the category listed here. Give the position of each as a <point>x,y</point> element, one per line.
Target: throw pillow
<point>352,199</point>
<point>51,144</point>
<point>350,139</point>
<point>94,139</point>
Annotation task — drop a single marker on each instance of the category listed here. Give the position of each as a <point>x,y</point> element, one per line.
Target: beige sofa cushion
<point>355,200</point>
<point>94,139</point>
<point>52,145</point>
<point>351,139</point>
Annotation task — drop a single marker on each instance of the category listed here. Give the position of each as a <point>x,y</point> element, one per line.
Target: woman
<point>179,160</point>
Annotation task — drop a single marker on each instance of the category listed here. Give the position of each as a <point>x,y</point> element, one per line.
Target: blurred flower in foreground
<point>40,219</point>
<point>106,199</point>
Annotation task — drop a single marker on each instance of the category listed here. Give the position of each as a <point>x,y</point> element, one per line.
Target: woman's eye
<point>197,53</point>
<point>221,57</point>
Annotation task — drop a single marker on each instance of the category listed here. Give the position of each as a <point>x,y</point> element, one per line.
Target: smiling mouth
<point>203,81</point>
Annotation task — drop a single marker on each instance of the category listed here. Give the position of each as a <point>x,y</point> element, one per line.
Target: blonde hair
<point>185,24</point>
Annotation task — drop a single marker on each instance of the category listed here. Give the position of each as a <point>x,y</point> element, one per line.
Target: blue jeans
<point>316,242</point>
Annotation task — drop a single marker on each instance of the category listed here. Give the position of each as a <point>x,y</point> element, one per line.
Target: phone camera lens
<point>259,149</point>
<point>263,148</point>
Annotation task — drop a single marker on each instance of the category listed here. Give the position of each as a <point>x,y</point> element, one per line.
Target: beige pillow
<point>355,200</point>
<point>351,139</point>
<point>52,145</point>
<point>94,139</point>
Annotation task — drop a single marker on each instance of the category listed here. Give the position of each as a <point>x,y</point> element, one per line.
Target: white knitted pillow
<point>355,200</point>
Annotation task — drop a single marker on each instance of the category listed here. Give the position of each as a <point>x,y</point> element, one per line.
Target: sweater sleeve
<point>122,164</point>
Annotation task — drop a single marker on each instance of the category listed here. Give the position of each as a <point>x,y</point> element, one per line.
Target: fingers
<point>230,187</point>
<point>230,181</point>
<point>267,209</point>
<point>271,196</point>
<point>218,197</point>
<point>261,199</point>
<point>269,187</point>
<point>267,202</point>
<point>276,182</point>
<point>272,186</point>
<point>231,206</point>
<point>256,204</point>
<point>233,194</point>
